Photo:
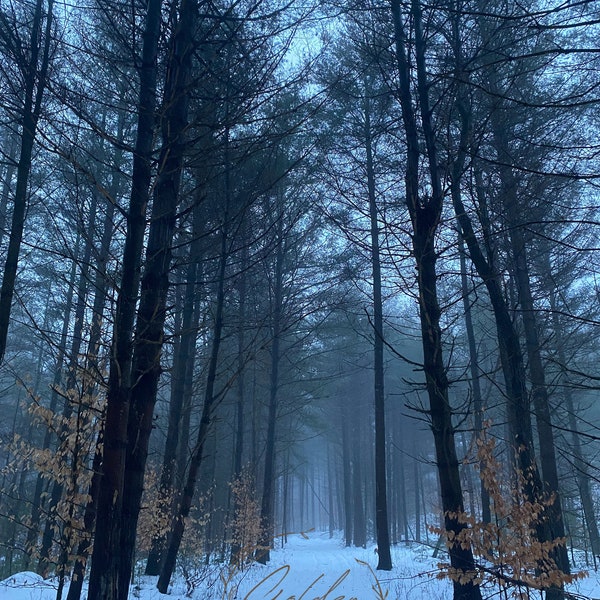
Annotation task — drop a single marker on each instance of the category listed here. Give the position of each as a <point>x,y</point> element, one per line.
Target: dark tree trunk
<point>519,410</point>
<point>402,492</point>
<point>106,556</point>
<point>183,367</point>
<point>149,330</point>
<point>581,466</point>
<point>69,452</point>
<point>285,499</point>
<point>241,368</point>
<point>184,450</point>
<point>89,519</point>
<point>36,505</point>
<point>34,76</point>
<point>541,402</point>
<point>187,495</point>
<point>518,405</point>
<point>346,467</point>
<point>417,480</point>
<point>425,215</point>
<point>266,508</point>
<point>381,511</point>
<point>511,357</point>
<point>241,382</point>
<point>359,525</point>
<point>330,492</point>
<point>92,376</point>
<point>474,369</point>
<point>394,485</point>
<point>10,154</point>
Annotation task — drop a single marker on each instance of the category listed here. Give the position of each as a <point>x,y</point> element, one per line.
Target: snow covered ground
<point>315,567</point>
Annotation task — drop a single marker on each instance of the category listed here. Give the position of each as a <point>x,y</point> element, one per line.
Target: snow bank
<point>24,579</point>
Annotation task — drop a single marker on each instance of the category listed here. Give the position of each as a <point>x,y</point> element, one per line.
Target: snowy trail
<point>319,567</point>
<point>306,568</point>
<point>314,567</point>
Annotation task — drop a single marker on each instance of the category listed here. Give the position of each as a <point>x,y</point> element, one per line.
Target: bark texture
<point>425,215</point>
<point>106,554</point>
<point>150,323</point>
<point>381,506</point>
<point>210,398</point>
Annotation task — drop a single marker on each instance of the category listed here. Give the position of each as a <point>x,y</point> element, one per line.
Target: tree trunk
<point>36,504</point>
<point>184,450</point>
<point>183,367</point>
<point>89,520</point>
<point>511,358</point>
<point>417,480</point>
<point>541,402</point>
<point>425,215</point>
<point>581,466</point>
<point>10,154</point>
<point>106,556</point>
<point>236,549</point>
<point>92,375</point>
<point>266,509</point>
<point>35,75</point>
<point>359,525</point>
<point>346,468</point>
<point>381,511</point>
<point>475,383</point>
<point>329,490</point>
<point>187,496</point>
<point>65,435</point>
<point>149,330</point>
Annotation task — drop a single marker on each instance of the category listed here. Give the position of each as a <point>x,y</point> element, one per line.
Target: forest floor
<point>306,568</point>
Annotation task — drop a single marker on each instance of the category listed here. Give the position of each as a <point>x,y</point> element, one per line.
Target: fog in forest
<point>279,268</point>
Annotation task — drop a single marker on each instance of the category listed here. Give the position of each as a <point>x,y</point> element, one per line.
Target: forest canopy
<point>278,266</point>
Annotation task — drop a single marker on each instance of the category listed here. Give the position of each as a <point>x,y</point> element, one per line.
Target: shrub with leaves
<point>61,467</point>
<point>510,555</point>
<point>246,523</point>
<point>155,514</point>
